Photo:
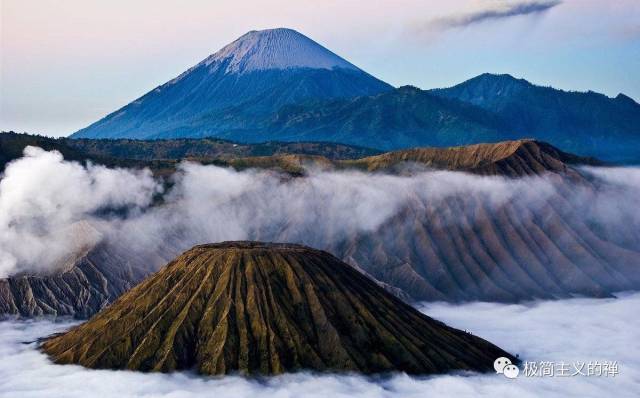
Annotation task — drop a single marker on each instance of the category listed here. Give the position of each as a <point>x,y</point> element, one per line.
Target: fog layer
<point>43,198</point>
<point>569,330</point>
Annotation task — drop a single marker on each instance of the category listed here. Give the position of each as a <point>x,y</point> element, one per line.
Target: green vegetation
<point>511,158</point>
<point>210,148</point>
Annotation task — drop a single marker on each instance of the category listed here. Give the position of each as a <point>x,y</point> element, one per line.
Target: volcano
<point>264,308</point>
<point>236,88</point>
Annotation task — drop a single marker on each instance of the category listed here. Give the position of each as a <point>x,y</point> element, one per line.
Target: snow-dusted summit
<point>280,48</point>
<point>236,91</point>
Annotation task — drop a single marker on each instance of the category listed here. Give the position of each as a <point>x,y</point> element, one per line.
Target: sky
<point>66,64</point>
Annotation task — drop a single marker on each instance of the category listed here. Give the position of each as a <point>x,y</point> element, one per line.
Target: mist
<point>43,198</point>
<point>568,330</point>
<point>50,207</point>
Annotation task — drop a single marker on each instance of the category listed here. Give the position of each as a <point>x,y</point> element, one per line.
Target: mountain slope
<point>588,124</point>
<point>259,308</point>
<point>83,283</point>
<point>457,248</point>
<point>508,158</point>
<point>89,284</point>
<point>236,87</point>
<point>402,118</point>
<point>519,158</point>
<point>464,249</point>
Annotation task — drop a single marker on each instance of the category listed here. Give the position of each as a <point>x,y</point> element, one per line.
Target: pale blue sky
<point>65,64</point>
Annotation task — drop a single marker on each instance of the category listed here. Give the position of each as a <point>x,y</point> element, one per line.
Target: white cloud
<point>212,204</point>
<point>495,11</point>
<point>43,197</point>
<point>569,330</point>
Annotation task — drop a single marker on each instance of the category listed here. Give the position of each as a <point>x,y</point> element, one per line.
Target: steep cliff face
<point>89,282</point>
<point>259,308</point>
<point>464,249</point>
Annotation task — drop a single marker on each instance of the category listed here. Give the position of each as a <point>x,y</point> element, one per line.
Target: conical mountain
<point>233,90</point>
<point>259,308</point>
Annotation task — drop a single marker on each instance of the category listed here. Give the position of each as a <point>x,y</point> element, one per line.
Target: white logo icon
<point>504,366</point>
<point>511,371</point>
<point>500,363</point>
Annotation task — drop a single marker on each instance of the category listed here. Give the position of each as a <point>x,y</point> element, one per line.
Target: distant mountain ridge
<point>488,108</point>
<point>403,118</point>
<point>279,85</point>
<point>585,123</point>
<point>515,158</point>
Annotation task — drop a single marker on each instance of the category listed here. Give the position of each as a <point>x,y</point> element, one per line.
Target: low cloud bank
<point>42,197</point>
<point>46,204</point>
<point>569,330</point>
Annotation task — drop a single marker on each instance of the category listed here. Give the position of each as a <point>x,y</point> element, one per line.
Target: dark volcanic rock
<point>259,308</point>
<point>463,249</point>
<point>92,275</point>
<point>91,281</point>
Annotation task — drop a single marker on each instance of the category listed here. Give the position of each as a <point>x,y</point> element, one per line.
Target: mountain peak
<point>477,88</point>
<point>262,71</point>
<point>504,76</point>
<point>265,308</point>
<point>279,48</point>
<point>496,78</point>
<point>622,98</point>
